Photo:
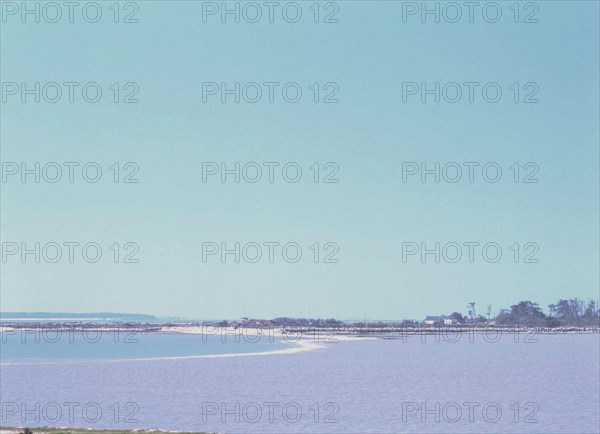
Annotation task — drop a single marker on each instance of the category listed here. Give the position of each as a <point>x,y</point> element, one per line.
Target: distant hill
<point>97,316</point>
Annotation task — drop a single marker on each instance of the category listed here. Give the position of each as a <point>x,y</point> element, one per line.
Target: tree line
<point>572,312</point>
<point>565,312</point>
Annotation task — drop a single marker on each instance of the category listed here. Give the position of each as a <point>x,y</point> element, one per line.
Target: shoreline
<point>300,339</point>
<point>290,333</point>
<point>299,344</point>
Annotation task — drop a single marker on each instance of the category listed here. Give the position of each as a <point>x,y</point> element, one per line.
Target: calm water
<point>382,386</point>
<point>47,347</point>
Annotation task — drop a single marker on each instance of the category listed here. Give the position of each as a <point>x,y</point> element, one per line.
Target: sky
<point>371,136</point>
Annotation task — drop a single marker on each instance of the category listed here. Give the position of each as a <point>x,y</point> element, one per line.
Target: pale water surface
<point>378,386</point>
<point>36,346</point>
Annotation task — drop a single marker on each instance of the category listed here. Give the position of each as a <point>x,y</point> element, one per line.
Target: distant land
<point>568,312</point>
<point>97,316</point>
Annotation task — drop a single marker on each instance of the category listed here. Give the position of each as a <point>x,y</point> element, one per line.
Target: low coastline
<point>297,339</point>
<point>290,333</point>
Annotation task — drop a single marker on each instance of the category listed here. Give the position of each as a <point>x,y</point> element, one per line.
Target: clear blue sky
<point>369,133</point>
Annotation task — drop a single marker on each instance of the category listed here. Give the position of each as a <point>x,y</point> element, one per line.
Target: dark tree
<point>568,312</point>
<point>524,312</point>
<point>591,316</point>
<point>458,317</point>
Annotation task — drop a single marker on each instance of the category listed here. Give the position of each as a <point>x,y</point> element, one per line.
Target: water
<point>69,345</point>
<point>375,386</point>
